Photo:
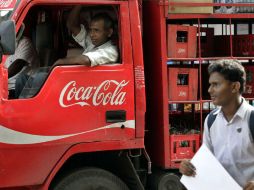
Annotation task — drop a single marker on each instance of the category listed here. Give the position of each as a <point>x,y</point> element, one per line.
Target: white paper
<point>210,174</point>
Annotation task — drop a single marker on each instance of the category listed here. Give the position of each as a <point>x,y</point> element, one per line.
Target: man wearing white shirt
<point>24,61</point>
<point>98,48</point>
<point>229,137</point>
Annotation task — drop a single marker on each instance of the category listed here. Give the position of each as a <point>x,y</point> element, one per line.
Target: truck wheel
<point>169,181</point>
<point>161,180</point>
<point>91,179</point>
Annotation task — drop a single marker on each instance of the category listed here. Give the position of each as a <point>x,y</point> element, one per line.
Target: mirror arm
<point>1,53</point>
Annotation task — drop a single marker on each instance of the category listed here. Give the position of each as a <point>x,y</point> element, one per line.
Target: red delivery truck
<point>123,125</point>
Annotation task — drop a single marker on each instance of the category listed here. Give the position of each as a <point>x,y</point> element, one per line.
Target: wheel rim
<point>170,182</point>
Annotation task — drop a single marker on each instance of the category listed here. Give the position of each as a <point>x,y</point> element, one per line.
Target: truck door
<point>76,104</point>
<point>85,103</point>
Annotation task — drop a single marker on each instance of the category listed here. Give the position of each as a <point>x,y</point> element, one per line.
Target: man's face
<point>98,34</point>
<point>220,90</point>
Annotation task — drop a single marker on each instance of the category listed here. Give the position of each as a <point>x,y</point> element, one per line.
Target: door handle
<point>115,116</point>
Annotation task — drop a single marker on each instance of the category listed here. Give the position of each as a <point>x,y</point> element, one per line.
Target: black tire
<point>169,181</point>
<point>91,179</point>
<point>162,180</point>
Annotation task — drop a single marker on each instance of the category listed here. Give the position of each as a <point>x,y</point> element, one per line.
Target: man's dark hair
<point>232,70</point>
<point>108,21</point>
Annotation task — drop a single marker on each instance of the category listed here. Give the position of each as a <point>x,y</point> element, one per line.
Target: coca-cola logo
<point>182,94</point>
<point>7,3</point>
<point>181,50</point>
<point>108,92</point>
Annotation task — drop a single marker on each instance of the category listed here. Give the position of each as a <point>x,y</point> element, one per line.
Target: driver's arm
<point>76,60</point>
<point>73,21</point>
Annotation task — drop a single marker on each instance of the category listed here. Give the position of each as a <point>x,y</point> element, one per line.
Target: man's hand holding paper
<point>210,174</point>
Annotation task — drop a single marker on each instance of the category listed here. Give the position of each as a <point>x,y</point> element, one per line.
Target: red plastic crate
<point>221,45</point>
<point>206,42</point>
<point>183,146</point>
<point>182,41</point>
<point>243,45</point>
<point>249,90</point>
<point>182,84</point>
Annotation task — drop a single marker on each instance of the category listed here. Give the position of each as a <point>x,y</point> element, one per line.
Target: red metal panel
<point>62,114</point>
<point>137,52</point>
<point>155,45</point>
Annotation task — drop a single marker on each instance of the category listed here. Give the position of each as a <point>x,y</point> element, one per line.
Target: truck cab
<point>83,116</point>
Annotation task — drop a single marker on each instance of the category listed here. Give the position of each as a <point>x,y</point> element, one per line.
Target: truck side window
<point>89,33</point>
<point>69,35</point>
<point>24,61</point>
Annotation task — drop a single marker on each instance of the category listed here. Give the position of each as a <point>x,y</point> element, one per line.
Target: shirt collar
<point>217,111</point>
<point>242,109</point>
<point>240,112</point>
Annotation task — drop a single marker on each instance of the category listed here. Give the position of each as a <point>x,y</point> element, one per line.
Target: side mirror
<point>7,38</point>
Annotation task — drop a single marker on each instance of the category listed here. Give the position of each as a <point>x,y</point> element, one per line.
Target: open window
<point>46,28</point>
<point>86,14</point>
